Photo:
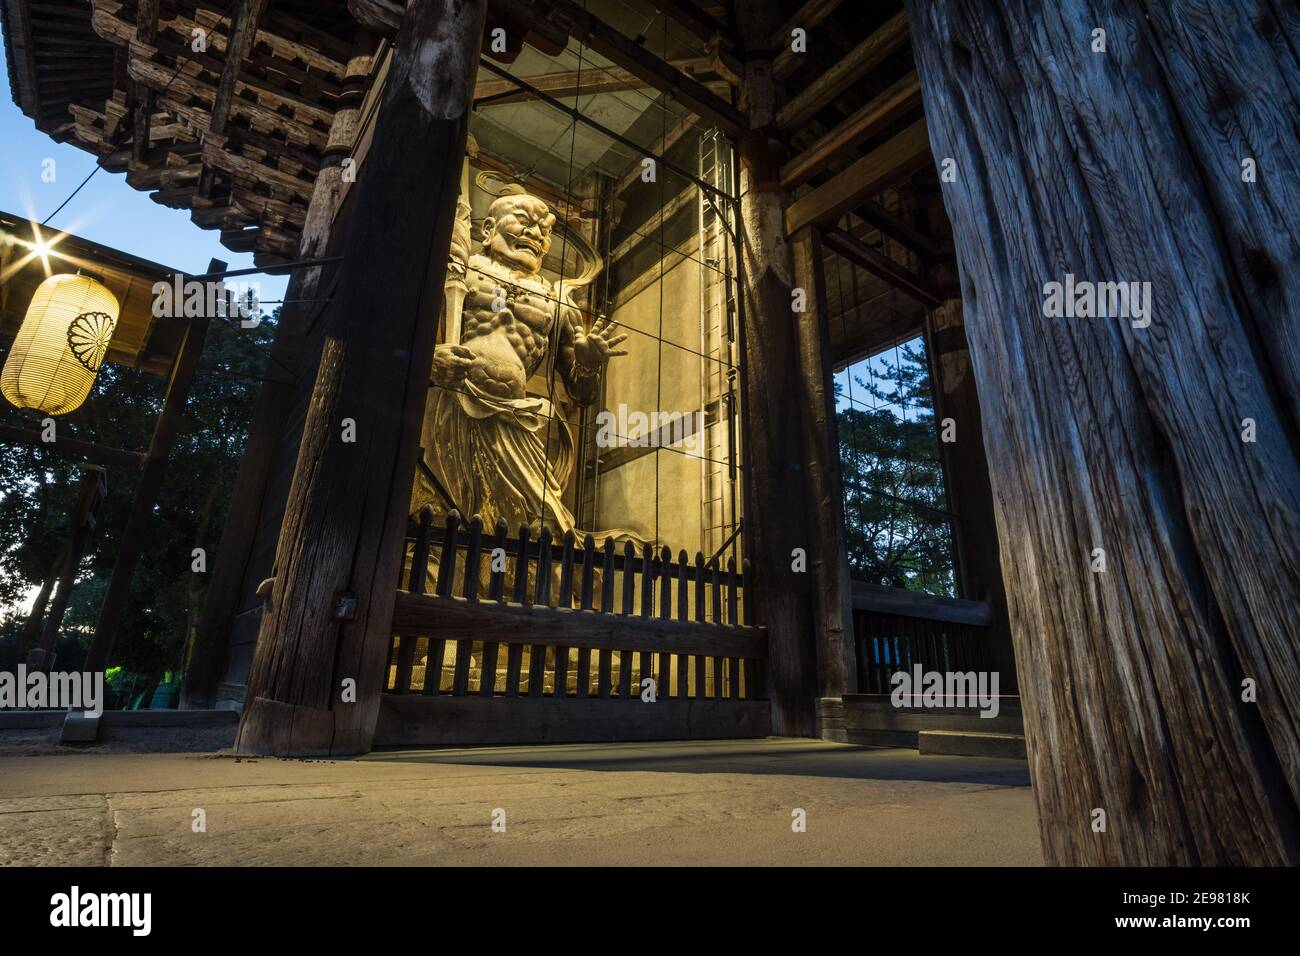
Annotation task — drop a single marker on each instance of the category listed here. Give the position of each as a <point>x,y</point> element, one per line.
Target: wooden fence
<point>895,630</point>
<point>887,643</point>
<point>515,620</point>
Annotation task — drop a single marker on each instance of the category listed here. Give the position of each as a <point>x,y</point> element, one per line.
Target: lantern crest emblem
<point>88,338</point>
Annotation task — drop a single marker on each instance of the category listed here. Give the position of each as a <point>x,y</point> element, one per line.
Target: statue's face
<point>517,231</point>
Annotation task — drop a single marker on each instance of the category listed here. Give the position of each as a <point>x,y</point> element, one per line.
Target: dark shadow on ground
<point>808,758</point>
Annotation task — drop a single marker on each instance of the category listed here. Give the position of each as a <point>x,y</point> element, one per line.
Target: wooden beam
<point>610,43</point>
<point>339,556</point>
<point>902,98</point>
<point>827,549</point>
<point>901,156</point>
<point>383,17</point>
<point>841,77</point>
<point>183,89</point>
<point>146,32</point>
<point>772,436</point>
<point>249,500</point>
<point>413,720</point>
<point>879,264</point>
<point>137,530</point>
<point>666,141</point>
<point>929,607</point>
<point>88,451</point>
<point>421,614</point>
<point>569,83</point>
<point>244,19</point>
<point>810,15</point>
<point>879,329</point>
<point>902,232</point>
<point>690,16</point>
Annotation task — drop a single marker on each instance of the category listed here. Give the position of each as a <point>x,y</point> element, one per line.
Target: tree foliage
<point>895,505</point>
<point>38,491</point>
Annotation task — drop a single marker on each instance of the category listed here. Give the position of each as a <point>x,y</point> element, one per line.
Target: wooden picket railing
<point>887,643</point>
<point>512,618</point>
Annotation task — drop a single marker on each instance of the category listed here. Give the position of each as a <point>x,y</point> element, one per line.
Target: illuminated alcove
<point>642,193</point>
<point>643,196</point>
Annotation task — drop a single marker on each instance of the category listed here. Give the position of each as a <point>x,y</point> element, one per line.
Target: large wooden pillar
<point>966,477</point>
<point>776,492</point>
<point>1144,466</point>
<point>208,656</point>
<point>322,649</point>
<point>829,556</point>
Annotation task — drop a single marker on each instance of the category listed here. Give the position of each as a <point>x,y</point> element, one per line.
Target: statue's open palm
<point>594,347</point>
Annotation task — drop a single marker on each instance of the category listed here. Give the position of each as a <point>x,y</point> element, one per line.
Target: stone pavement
<point>701,802</point>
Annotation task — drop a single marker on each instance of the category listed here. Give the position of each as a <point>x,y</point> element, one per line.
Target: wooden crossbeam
<point>901,156</point>
<point>691,17</point>
<point>421,614</point>
<point>837,80</point>
<point>146,32</point>
<point>881,600</point>
<point>897,229</point>
<point>874,116</point>
<point>810,15</point>
<point>244,19</point>
<point>244,27</point>
<point>879,264</point>
<point>72,448</point>
<point>665,142</point>
<point>381,16</point>
<point>610,43</point>
<point>572,83</point>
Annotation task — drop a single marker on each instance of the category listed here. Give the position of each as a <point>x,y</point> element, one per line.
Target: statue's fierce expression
<point>517,231</point>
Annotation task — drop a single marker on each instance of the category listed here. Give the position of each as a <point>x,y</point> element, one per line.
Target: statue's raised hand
<point>594,347</point>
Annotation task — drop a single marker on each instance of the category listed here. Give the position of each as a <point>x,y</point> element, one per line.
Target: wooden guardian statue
<point>486,439</point>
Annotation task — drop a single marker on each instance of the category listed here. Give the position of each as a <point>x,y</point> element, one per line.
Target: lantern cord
<point>47,219</point>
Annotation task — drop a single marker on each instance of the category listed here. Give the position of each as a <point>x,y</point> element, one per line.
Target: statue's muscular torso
<point>509,345</point>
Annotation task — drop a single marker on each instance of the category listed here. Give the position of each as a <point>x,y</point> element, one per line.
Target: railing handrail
<point>929,607</point>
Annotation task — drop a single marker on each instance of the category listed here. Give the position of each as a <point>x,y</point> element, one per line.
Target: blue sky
<point>107,210</point>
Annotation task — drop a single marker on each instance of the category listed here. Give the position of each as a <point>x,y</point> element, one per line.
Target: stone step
<point>963,743</point>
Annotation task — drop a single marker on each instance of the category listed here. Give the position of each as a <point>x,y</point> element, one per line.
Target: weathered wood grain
<point>339,556</point>
<point>770,375</point>
<point>1126,166</point>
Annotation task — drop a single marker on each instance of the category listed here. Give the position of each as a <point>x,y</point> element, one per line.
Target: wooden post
<point>1144,461</point>
<point>146,32</point>
<point>966,476</point>
<point>828,554</point>
<point>208,657</point>
<point>146,494</point>
<point>243,28</point>
<point>773,439</point>
<point>318,669</point>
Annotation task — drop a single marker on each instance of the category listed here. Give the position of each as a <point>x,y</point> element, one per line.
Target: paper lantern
<point>60,345</point>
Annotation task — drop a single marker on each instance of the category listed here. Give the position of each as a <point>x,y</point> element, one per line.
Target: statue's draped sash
<point>490,454</point>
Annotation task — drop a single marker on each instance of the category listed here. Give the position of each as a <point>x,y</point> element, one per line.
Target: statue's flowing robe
<point>490,454</point>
